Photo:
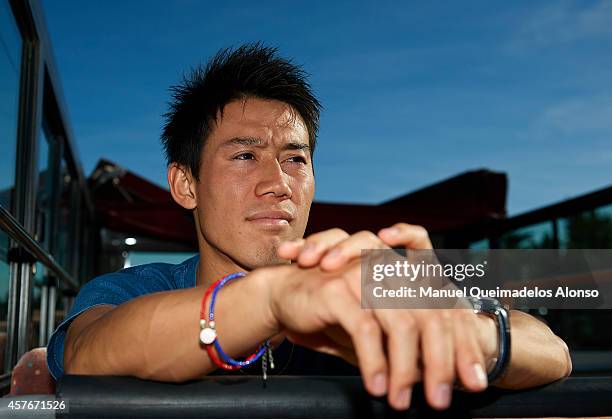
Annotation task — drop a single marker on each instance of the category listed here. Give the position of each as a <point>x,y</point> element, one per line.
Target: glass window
<point>587,230</point>
<point>141,258</point>
<point>10,63</point>
<point>585,329</point>
<point>480,244</point>
<point>44,192</point>
<point>44,207</point>
<point>76,239</point>
<point>4,286</point>
<point>37,282</point>
<point>535,236</point>
<point>87,247</point>
<point>66,219</point>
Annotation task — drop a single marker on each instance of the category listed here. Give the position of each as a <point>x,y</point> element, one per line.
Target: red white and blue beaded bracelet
<point>208,334</point>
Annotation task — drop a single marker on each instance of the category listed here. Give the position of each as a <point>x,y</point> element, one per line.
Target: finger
<point>290,249</point>
<point>470,366</point>
<point>407,235</point>
<point>315,246</point>
<point>402,334</point>
<point>365,333</point>
<point>438,357</point>
<point>350,248</point>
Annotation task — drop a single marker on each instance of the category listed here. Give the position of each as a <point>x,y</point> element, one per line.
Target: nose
<point>273,181</point>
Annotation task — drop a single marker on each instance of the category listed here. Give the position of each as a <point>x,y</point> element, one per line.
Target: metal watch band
<point>498,312</point>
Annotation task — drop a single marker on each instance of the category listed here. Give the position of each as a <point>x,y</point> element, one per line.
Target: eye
<point>299,159</point>
<point>244,156</point>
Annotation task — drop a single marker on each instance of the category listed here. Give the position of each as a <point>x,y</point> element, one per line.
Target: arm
<point>156,336</point>
<point>537,357</point>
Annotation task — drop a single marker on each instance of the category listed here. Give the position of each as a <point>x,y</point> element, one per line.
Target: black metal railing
<point>27,243</point>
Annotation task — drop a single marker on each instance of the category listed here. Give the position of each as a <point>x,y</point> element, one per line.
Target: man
<point>239,139</point>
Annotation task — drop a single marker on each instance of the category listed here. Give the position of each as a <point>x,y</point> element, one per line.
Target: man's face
<point>256,181</point>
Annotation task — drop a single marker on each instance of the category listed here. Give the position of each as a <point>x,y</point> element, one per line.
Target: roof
<point>127,202</point>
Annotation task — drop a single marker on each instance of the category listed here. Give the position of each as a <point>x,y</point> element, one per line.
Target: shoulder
<point>140,280</point>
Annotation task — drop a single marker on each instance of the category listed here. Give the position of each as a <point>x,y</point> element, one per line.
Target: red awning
<point>126,202</point>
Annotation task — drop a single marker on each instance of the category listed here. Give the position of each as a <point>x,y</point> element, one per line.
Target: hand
<point>332,249</point>
<point>321,310</point>
<point>457,341</point>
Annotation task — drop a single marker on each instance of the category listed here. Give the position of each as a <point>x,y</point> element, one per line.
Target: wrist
<point>488,337</point>
<point>268,282</point>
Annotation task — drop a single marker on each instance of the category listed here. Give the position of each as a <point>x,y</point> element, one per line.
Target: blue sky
<point>414,92</point>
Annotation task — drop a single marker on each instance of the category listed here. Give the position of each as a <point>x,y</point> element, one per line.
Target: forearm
<point>538,356</point>
<point>157,336</point>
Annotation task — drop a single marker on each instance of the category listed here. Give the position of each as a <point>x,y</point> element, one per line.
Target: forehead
<point>269,120</point>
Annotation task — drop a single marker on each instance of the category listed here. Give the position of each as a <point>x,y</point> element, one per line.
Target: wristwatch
<point>494,309</point>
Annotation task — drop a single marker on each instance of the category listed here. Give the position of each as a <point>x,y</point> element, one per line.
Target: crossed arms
<point>315,302</point>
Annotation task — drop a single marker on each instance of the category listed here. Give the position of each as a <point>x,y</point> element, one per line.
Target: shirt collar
<point>185,273</point>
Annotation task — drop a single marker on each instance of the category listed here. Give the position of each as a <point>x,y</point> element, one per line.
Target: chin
<point>262,251</point>
<point>257,255</point>
<point>263,261</point>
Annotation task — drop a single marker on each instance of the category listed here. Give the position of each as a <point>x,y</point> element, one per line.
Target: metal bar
<point>51,312</point>
<point>68,302</point>
<point>25,313</point>
<point>18,234</point>
<point>28,129</point>
<point>11,320</point>
<point>43,317</point>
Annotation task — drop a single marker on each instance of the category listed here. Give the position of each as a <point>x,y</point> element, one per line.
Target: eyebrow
<point>257,142</point>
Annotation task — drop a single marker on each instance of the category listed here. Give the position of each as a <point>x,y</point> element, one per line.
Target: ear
<point>182,186</point>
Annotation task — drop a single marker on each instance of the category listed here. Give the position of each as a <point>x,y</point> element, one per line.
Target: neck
<point>213,264</point>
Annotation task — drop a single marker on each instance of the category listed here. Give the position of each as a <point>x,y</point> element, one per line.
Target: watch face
<point>486,305</point>
<point>490,303</point>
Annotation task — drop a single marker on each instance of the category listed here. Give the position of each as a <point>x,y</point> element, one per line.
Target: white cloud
<point>578,119</point>
<point>561,22</point>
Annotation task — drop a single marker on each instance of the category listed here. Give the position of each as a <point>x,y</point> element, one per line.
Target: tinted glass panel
<point>66,218</point>
<point>4,285</point>
<point>141,258</point>
<point>587,230</point>
<point>10,62</point>
<point>536,236</point>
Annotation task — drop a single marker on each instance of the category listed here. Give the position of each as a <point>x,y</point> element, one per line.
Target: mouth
<point>272,218</point>
<point>271,221</point>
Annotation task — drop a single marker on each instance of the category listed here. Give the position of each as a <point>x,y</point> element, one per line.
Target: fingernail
<point>379,384</point>
<point>481,376</point>
<point>403,398</point>
<point>442,396</point>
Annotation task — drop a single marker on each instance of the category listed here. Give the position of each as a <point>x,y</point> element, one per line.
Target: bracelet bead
<point>208,334</point>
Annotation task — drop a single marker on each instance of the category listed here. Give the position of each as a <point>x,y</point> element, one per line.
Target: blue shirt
<point>122,286</point>
<point>117,288</point>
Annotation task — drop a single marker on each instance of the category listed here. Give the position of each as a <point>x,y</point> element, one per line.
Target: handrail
<point>21,236</point>
<point>316,396</point>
